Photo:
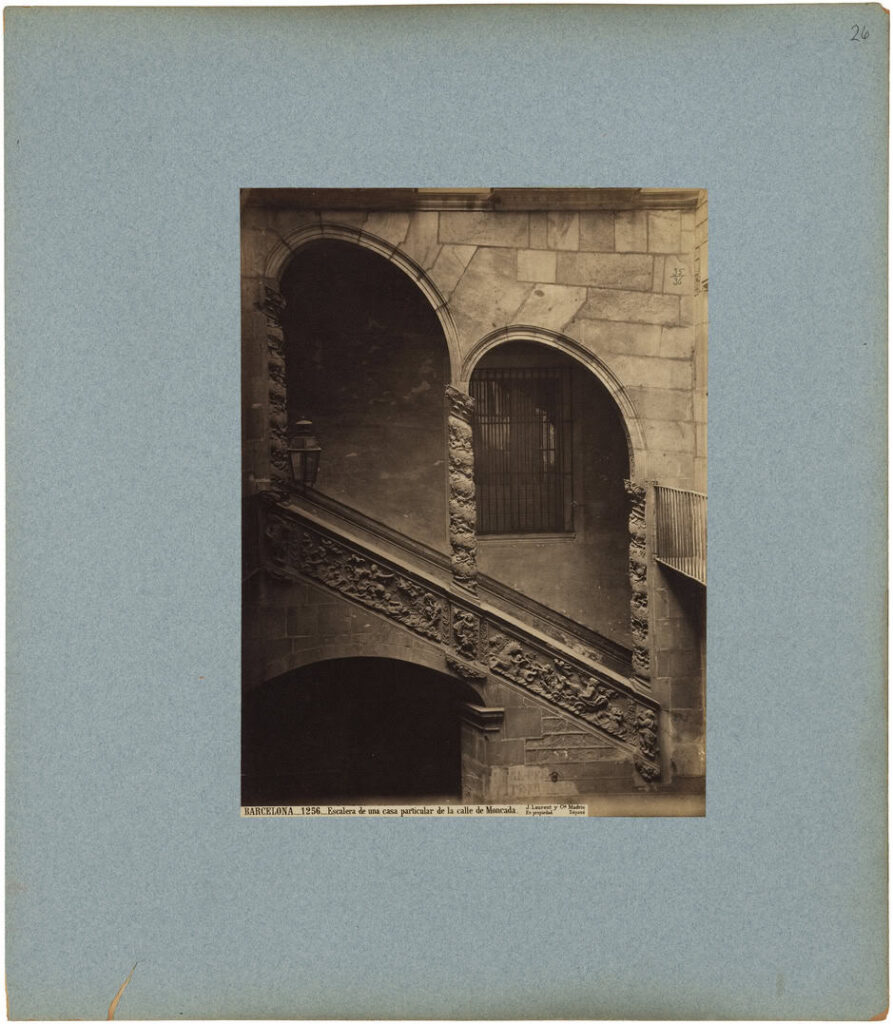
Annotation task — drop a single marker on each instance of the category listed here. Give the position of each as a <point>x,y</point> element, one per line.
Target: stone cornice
<point>483,718</point>
<point>494,199</point>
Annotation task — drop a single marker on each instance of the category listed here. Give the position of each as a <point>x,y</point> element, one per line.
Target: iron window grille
<point>523,450</point>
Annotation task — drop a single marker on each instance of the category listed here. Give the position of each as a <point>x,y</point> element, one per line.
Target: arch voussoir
<point>288,246</point>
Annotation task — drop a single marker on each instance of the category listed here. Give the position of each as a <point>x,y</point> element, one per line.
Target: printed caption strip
<point>418,811</point>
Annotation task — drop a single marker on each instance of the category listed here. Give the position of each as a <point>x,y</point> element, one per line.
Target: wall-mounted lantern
<point>303,453</point>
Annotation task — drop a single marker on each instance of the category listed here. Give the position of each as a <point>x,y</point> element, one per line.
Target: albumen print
<point>474,500</point>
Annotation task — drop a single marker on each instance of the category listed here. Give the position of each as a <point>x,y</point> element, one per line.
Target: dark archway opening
<point>353,729</point>
<point>367,361</point>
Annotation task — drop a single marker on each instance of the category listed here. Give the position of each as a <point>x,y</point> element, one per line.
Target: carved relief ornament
<point>638,579</point>
<point>274,307</point>
<point>372,584</point>
<point>466,630</point>
<point>474,673</point>
<point>283,544</point>
<point>295,549</point>
<point>461,501</point>
<point>576,690</point>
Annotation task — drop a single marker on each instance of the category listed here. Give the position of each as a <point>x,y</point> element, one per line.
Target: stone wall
<point>700,356</point>
<point>289,625</point>
<point>539,753</point>
<point>620,283</point>
<point>680,670</point>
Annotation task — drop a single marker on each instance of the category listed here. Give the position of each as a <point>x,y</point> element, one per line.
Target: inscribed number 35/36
<point>859,33</point>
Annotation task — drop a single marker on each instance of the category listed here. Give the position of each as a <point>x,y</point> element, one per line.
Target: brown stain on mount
<point>114,1003</point>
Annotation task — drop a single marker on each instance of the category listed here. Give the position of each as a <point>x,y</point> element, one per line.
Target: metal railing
<point>681,541</point>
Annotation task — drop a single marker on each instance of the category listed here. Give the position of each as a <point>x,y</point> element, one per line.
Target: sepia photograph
<point>415,523</point>
<point>474,500</point>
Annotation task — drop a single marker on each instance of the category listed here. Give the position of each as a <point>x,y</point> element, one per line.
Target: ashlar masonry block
<point>505,752</point>
<point>588,773</point>
<point>392,227</point>
<point>630,231</point>
<point>597,231</point>
<point>651,372</point>
<point>488,293</point>
<point>550,306</point>
<point>687,692</point>
<point>536,265</point>
<point>702,256</point>
<point>344,218</point>
<point>334,620</point>
<point>673,469</point>
<point>661,403</point>
<point>664,231</point>
<point>689,760</point>
<point>633,307</point>
<point>601,336</point>
<point>686,724</point>
<point>498,694</point>
<point>286,222</point>
<point>484,228</point>
<point>256,244</point>
<point>670,435</point>
<point>450,265</point>
<point>657,276</point>
<point>574,755</point>
<point>678,278</point>
<point>539,231</point>
<point>303,621</point>
<point>677,342</point>
<point>700,473</point>
<point>553,723</point>
<point>552,740</point>
<point>563,230</point>
<point>605,270</point>
<point>421,243</point>
<point>523,722</point>
<point>699,407</point>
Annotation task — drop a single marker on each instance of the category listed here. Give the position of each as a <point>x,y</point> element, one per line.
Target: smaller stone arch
<point>635,437</point>
<point>285,248</point>
<point>423,656</point>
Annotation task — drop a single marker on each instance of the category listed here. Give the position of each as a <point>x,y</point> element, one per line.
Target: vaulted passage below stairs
<point>353,728</point>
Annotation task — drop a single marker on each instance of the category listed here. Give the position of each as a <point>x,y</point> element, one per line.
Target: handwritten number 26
<point>858,34</point>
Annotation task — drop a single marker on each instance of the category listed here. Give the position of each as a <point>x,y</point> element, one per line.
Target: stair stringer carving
<point>475,639</point>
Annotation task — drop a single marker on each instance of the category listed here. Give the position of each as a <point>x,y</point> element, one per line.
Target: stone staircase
<point>489,632</point>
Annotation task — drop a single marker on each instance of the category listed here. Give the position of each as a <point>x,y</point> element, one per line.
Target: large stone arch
<point>286,246</point>
<point>632,427</point>
<point>636,485</point>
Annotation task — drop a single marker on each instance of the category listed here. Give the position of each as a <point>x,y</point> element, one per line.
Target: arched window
<point>550,458</point>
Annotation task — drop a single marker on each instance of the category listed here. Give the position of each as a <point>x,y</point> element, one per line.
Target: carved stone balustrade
<point>475,639</point>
